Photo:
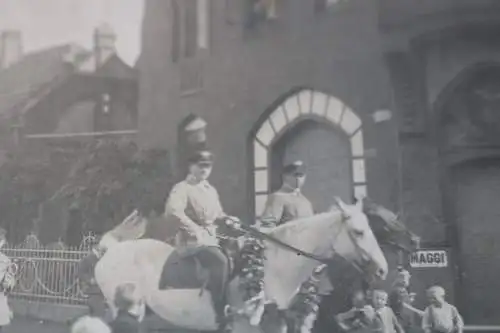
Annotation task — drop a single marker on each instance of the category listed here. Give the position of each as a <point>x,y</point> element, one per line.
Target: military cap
<point>203,157</point>
<point>295,168</point>
<point>196,124</point>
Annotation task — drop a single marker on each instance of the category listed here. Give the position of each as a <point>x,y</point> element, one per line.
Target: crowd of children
<point>372,312</point>
<point>379,312</point>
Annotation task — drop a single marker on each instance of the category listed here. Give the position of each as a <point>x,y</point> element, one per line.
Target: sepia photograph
<point>249,166</point>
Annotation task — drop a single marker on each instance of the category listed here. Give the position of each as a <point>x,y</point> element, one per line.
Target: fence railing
<point>48,273</point>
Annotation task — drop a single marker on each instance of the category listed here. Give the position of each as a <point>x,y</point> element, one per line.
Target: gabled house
<point>66,92</point>
<point>59,98</point>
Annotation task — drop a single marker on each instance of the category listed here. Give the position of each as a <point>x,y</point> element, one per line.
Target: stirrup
<point>228,311</point>
<point>226,324</point>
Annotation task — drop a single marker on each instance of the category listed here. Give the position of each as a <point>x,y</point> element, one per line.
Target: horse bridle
<point>326,261</point>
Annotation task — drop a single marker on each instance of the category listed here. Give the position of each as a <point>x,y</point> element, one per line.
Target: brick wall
<point>245,72</point>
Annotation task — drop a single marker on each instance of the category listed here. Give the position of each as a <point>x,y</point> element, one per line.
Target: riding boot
<point>222,319</point>
<point>216,262</point>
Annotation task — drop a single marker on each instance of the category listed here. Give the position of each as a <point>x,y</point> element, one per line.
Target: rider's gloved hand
<point>232,221</point>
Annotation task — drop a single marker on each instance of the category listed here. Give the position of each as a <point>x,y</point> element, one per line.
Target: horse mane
<point>299,226</point>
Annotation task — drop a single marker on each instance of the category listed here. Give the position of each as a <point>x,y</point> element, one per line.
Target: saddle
<point>182,271</point>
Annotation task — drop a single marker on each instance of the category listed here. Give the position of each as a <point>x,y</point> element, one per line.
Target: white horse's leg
<point>270,323</point>
<point>242,325</point>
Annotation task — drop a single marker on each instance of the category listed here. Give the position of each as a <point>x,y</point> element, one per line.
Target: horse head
<point>357,243</point>
<point>388,228</point>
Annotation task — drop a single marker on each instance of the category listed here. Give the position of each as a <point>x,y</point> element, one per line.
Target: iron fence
<point>48,273</point>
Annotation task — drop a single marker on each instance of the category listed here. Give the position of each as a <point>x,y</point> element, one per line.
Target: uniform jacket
<point>194,206</point>
<point>288,204</point>
<point>285,205</point>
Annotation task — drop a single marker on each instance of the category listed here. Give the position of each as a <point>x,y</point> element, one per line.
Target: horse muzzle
<point>373,270</point>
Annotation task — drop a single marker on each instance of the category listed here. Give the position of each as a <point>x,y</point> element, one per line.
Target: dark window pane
<point>191,28</point>
<point>176,30</point>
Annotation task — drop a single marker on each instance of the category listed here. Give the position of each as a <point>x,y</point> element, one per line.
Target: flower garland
<point>252,273</point>
<point>305,307</point>
<point>252,279</point>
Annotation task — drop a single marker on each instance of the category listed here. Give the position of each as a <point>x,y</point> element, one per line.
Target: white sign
<point>429,258</point>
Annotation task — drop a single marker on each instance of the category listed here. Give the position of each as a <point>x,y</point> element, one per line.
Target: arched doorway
<point>469,127</point>
<point>328,136</point>
<point>319,129</point>
<point>326,153</point>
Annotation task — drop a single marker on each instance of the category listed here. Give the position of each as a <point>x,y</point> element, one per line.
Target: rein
<point>289,247</point>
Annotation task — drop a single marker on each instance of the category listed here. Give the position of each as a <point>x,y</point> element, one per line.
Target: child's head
<point>402,294</point>
<point>379,298</point>
<point>402,278</point>
<point>436,295</point>
<point>126,297</point>
<point>358,299</point>
<point>89,324</point>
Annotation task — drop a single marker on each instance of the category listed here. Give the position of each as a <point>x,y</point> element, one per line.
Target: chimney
<point>11,48</point>
<point>104,44</point>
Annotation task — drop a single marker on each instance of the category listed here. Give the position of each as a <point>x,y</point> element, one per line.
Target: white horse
<point>343,231</point>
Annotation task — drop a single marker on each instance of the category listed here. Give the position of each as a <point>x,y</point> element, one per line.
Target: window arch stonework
<point>306,104</point>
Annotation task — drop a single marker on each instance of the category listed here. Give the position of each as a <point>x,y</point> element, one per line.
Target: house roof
<point>35,73</point>
<point>115,67</point>
<point>24,83</point>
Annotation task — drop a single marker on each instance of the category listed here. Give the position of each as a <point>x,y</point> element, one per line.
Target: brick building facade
<point>315,80</point>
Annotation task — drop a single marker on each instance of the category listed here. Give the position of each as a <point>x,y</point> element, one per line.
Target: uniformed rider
<point>195,206</point>
<point>288,203</point>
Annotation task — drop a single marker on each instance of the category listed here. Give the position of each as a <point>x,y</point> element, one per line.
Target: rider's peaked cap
<point>295,168</point>
<point>202,157</point>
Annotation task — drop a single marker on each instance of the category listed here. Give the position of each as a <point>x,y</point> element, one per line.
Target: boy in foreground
<point>440,316</point>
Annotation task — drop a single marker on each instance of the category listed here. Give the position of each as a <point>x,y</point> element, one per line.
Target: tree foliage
<point>23,184</point>
<point>104,180</point>
<point>109,179</point>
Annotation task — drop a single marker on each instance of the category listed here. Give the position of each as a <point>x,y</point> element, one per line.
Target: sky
<point>45,23</point>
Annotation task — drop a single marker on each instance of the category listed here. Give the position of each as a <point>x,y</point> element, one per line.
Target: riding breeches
<point>214,260</point>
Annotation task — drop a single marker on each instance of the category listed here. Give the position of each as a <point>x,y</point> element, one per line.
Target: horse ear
<point>364,204</point>
<point>360,204</point>
<point>340,204</point>
<point>133,216</point>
